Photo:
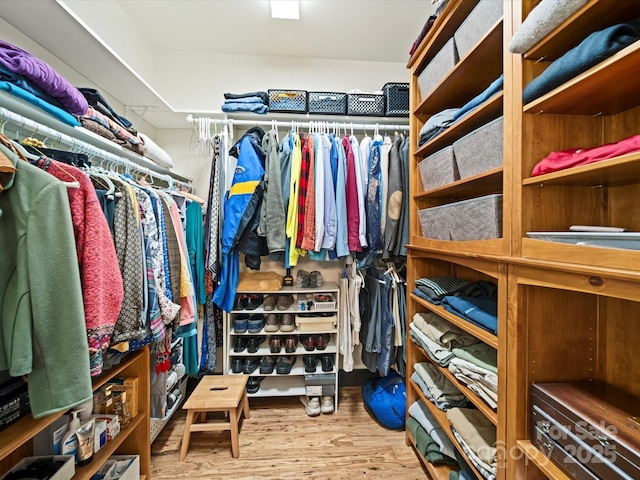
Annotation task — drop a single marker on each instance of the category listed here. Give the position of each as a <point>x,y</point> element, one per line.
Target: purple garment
<point>43,76</point>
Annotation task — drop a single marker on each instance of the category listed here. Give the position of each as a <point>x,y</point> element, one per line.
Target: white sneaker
<point>311,405</point>
<point>326,406</point>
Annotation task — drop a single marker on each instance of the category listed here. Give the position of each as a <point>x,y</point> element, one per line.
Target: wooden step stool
<point>216,393</point>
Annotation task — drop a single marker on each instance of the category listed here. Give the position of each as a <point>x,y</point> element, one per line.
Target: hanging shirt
<point>330,221</point>
<point>292,213</point>
<point>373,205</point>
<point>319,192</point>
<point>352,200</point>
<point>384,180</point>
<point>342,224</point>
<point>302,191</point>
<point>309,240</point>
<point>361,192</point>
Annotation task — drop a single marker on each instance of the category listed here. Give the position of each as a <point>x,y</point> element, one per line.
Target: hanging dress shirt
<point>361,193</point>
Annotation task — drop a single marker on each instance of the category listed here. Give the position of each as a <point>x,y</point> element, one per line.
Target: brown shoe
<point>287,323</point>
<point>275,345</point>
<point>284,302</point>
<point>270,303</point>
<point>291,343</point>
<point>273,322</point>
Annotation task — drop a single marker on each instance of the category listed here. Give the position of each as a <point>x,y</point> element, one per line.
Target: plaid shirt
<point>309,240</point>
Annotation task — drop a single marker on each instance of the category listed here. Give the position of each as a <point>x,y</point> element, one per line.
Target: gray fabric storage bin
<point>439,169</point>
<point>480,150</point>
<point>434,223</point>
<point>485,14</point>
<point>438,68</point>
<point>474,219</point>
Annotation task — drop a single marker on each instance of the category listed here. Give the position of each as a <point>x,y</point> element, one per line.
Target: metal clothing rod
<point>79,146</point>
<point>307,124</point>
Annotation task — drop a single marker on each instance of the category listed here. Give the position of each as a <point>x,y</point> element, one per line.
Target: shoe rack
<point>296,381</point>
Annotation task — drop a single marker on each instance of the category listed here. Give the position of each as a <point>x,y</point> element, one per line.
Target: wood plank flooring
<point>280,441</point>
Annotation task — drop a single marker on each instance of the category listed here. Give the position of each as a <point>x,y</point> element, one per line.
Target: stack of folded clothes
<point>438,389</point>
<point>431,441</point>
<point>256,102</point>
<point>477,367</point>
<point>477,438</point>
<point>31,79</point>
<point>438,337</point>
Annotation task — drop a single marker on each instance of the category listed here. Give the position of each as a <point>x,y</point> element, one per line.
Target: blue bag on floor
<point>386,399</point>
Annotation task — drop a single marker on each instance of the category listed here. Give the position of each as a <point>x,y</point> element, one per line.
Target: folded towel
<point>58,113</point>
<point>245,107</point>
<point>43,76</point>
<point>155,153</point>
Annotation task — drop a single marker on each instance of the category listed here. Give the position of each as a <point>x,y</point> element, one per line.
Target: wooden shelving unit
<point>133,439</point>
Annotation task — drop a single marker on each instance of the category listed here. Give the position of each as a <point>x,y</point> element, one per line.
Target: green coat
<point>42,326</point>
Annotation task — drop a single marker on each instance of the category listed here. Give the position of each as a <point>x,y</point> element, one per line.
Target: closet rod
<point>343,125</point>
<point>80,146</point>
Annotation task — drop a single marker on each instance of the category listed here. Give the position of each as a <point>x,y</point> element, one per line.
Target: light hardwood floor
<point>280,441</point>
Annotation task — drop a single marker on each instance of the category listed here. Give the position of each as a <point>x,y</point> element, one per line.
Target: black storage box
<point>594,423</point>
<point>396,99</point>
<point>14,402</point>
<point>288,101</point>
<point>365,104</point>
<point>329,103</point>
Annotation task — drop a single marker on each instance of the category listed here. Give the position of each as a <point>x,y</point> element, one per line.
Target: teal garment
<point>454,475</point>
<point>42,327</point>
<point>479,354</point>
<point>195,246</point>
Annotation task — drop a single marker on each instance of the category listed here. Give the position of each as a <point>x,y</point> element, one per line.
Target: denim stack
<point>256,102</point>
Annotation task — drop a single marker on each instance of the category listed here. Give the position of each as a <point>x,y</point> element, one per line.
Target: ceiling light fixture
<point>288,9</point>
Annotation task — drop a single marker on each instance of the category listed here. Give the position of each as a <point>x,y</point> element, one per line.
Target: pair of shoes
<point>250,365</point>
<point>287,323</point>
<point>311,405</point>
<point>315,279</point>
<point>310,363</point>
<point>284,364</point>
<point>241,323</point>
<point>270,302</point>
<point>248,302</point>
<point>291,343</point>
<point>267,364</point>
<point>253,384</point>
<point>272,324</point>
<point>237,364</point>
<point>326,404</point>
<point>311,342</point>
<point>284,302</point>
<point>256,322</point>
<point>254,343</point>
<point>302,279</point>
<point>327,363</point>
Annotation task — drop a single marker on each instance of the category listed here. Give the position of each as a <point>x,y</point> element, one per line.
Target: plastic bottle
<point>70,440</point>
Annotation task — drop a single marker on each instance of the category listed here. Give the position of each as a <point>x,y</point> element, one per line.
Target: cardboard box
<point>14,402</point>
<point>119,467</point>
<point>100,434</point>
<point>129,385</point>
<point>65,472</point>
<point>113,424</point>
<point>320,384</point>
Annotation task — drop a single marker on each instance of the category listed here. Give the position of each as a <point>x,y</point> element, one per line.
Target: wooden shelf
<point>623,170</point>
<point>470,328</point>
<point>441,418</point>
<point>480,404</point>
<point>487,111</point>
<point>577,95</point>
<point>86,472</point>
<point>470,77</point>
<point>495,247</point>
<point>543,463</point>
<point>437,472</point>
<point>484,183</point>
<point>593,16</point>
<point>451,17</point>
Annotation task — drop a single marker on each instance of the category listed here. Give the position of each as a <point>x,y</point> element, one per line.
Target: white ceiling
<point>95,38</point>
<point>377,30</point>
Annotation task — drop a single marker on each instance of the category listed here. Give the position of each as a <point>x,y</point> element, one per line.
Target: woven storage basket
<point>438,68</point>
<point>288,101</point>
<point>438,169</point>
<point>396,99</point>
<point>328,103</point>
<point>365,104</point>
<point>477,24</point>
<point>480,150</point>
<point>434,223</point>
